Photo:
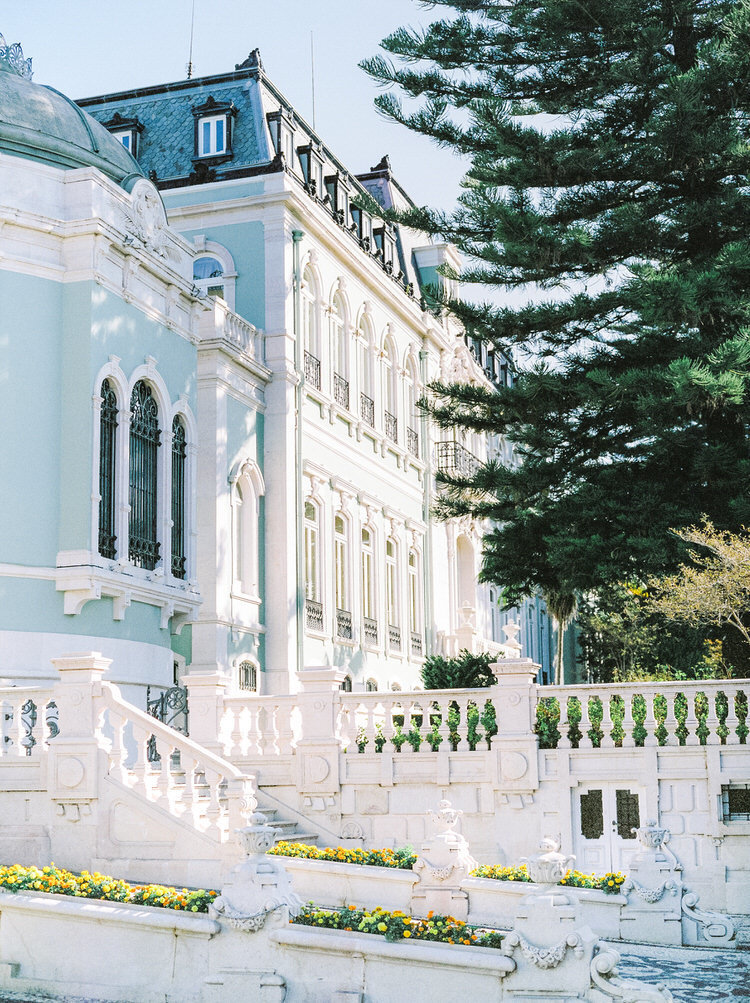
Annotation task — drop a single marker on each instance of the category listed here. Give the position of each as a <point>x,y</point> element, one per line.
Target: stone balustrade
<point>219,323</point>
<point>28,719</point>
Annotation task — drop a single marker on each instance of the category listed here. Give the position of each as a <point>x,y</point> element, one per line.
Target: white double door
<point>604,818</point>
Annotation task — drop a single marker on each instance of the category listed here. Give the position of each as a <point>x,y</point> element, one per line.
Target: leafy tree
<point>609,147</point>
<point>713,590</point>
<point>465,671</point>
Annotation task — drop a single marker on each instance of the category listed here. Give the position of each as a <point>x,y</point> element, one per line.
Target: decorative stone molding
<point>258,886</point>
<point>649,895</point>
<point>543,957</point>
<point>146,221</point>
<point>604,977</point>
<point>444,862</point>
<point>713,927</point>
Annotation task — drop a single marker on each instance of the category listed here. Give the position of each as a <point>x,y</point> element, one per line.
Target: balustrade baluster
<point>670,721</point>
<point>388,727</point>
<point>284,729</point>
<point>117,752</point>
<point>607,726</point>
<point>649,722</point>
<point>712,719</point>
<point>691,720</point>
<point>443,729</point>
<point>160,787</point>
<point>463,725</point>
<point>213,808</point>
<point>188,795</point>
<point>564,726</point>
<point>370,730</point>
<point>628,723</point>
<point>732,721</point>
<point>584,742</point>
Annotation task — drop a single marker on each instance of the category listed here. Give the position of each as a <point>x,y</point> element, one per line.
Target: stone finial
<point>258,886</point>
<point>512,647</point>
<point>651,836</point>
<point>12,59</point>
<point>445,818</point>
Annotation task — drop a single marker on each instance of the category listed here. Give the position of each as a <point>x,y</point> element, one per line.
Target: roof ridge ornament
<point>11,58</point>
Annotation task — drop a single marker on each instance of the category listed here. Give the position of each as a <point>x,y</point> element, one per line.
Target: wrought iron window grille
<point>179,453</point>
<point>394,637</point>
<point>367,409</point>
<point>248,678</point>
<point>344,624</point>
<point>312,370</point>
<point>416,643</point>
<point>370,630</point>
<point>107,467</point>
<point>314,614</point>
<point>454,459</point>
<point>341,391</point>
<point>391,426</point>
<point>145,439</point>
<point>171,708</point>
<point>412,441</point>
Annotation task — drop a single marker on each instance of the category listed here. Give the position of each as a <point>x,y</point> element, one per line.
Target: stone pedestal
<point>442,865</point>
<point>654,891</point>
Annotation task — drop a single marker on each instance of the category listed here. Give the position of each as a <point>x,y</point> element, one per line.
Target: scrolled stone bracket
<point>604,977</point>
<point>716,928</point>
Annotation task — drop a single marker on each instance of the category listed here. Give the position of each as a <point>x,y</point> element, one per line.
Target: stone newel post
<point>514,696</point>
<point>319,747</point>
<point>206,692</point>
<point>442,865</point>
<point>74,756</point>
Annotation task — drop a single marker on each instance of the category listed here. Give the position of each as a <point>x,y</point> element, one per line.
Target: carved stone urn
<point>550,867</point>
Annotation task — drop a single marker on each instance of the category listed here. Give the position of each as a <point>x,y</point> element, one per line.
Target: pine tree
<point>608,143</point>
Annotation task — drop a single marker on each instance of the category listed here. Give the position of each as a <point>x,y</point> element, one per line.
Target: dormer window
<point>385,245</point>
<point>311,163</point>
<point>362,226</point>
<point>213,130</point>
<point>282,133</point>
<point>126,130</point>
<point>338,195</point>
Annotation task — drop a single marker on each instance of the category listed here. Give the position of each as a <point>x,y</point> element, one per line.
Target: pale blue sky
<point>86,47</point>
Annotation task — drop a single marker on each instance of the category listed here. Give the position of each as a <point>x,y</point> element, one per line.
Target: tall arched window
<point>313,605</point>
<point>366,382</point>
<point>339,359</point>
<point>107,468</point>
<point>391,594</point>
<point>389,392</point>
<point>341,571</point>
<point>179,453</point>
<point>369,614</point>
<point>208,275</point>
<point>415,603</point>
<point>246,513</point>
<point>145,436</point>
<point>311,328</point>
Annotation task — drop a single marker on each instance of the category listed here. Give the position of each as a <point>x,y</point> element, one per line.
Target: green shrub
<point>465,671</point>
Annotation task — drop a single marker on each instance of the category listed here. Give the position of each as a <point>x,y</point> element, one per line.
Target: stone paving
<point>691,975</point>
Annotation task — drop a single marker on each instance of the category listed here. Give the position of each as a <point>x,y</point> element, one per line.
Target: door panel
<point>605,816</point>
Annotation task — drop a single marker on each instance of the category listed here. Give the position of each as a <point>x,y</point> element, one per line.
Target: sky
<point>88,47</point>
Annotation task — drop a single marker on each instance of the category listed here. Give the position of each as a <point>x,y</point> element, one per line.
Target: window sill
<point>83,577</point>
<point>213,159</point>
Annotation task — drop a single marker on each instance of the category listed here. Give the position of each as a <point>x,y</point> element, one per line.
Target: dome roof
<point>40,123</point>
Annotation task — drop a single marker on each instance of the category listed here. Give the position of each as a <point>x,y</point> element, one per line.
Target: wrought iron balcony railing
<point>314,614</point>
<point>370,630</point>
<point>394,637</point>
<point>367,409</point>
<point>343,624</point>
<point>455,460</point>
<point>341,391</point>
<point>312,370</point>
<point>416,644</point>
<point>412,441</point>
<point>391,426</point>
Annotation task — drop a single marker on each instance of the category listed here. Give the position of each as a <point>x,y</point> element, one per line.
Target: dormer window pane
<point>212,136</point>
<point>126,138</point>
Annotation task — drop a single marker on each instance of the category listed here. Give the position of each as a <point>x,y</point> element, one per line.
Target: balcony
<point>312,371</point>
<point>391,426</point>
<point>219,323</point>
<point>343,624</point>
<point>412,441</point>
<point>341,391</point>
<point>454,460</point>
<point>370,630</point>
<point>394,637</point>
<point>367,409</point>
<point>416,644</point>
<point>314,615</point>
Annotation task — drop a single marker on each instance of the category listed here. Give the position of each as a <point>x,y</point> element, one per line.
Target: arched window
<point>179,453</point>
<point>366,382</point>
<point>371,686</point>
<point>247,491</point>
<point>145,437</point>
<point>339,354</point>
<point>208,275</point>
<point>346,684</point>
<point>391,594</point>
<point>107,468</point>
<point>248,677</point>
<point>369,615</point>
<point>313,605</point>
<point>311,328</point>
<point>341,571</point>
<point>389,392</point>
<point>415,603</point>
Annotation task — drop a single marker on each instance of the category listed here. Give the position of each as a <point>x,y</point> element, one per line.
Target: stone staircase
<point>286,830</point>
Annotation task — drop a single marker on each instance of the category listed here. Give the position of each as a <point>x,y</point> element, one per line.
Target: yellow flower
<point>407,933</point>
<point>382,927</point>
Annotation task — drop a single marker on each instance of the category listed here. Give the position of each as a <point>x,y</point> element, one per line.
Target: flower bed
<point>398,926</point>
<point>610,882</point>
<point>58,881</point>
<point>403,859</point>
<point>406,858</point>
